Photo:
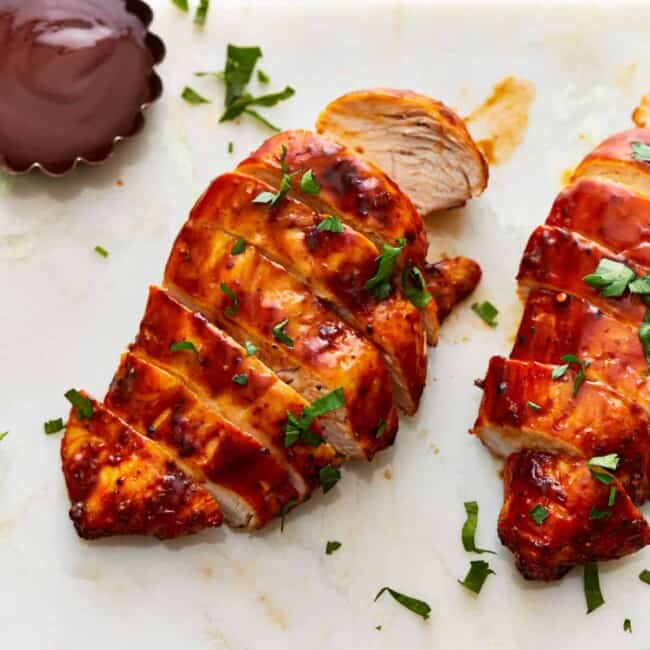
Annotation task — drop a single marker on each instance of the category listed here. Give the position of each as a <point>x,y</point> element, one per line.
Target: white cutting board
<point>67,314</point>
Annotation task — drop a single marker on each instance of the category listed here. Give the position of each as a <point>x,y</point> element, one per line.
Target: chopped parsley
<point>53,426</point>
<point>201,12</point>
<point>595,514</point>
<point>243,103</point>
<point>468,532</point>
<point>234,307</point>
<point>241,379</point>
<point>610,461</point>
<point>262,77</point>
<point>379,284</point>
<point>414,287</point>
<point>486,311</point>
<point>478,572</point>
<point>82,405</point>
<point>640,151</point>
<point>239,247</point>
<point>644,576</point>
<point>192,97</point>
<point>300,428</point>
<point>591,584</point>
<point>240,63</point>
<point>539,514</point>
<point>644,335</point>
<point>308,183</point>
<point>610,278</point>
<point>533,406</point>
<point>100,250</point>
<point>611,499</point>
<point>640,286</point>
<point>329,476</point>
<point>332,547</point>
<point>415,605</point>
<point>3,435</point>
<point>286,509</point>
<point>231,147</point>
<point>381,429</point>
<point>179,346</point>
<point>250,348</point>
<point>627,625</point>
<point>280,335</point>
<point>569,359</point>
<point>181,4</point>
<point>273,198</point>
<point>331,224</point>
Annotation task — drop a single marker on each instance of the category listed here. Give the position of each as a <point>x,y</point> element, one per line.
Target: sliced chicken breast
<point>560,259</point>
<point>607,213</point>
<point>418,141</point>
<point>247,479</point>
<point>305,343</point>
<point>260,404</point>
<point>614,160</point>
<point>121,483</point>
<point>577,522</point>
<point>524,407</point>
<point>556,324</point>
<point>334,265</point>
<point>350,187</point>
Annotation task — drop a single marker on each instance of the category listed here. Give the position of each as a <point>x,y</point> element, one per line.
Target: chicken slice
<point>418,141</point>
<point>556,258</point>
<point>121,483</point>
<point>524,407</point>
<point>249,482</point>
<point>450,281</point>
<point>260,407</point>
<point>614,160</point>
<point>334,265</point>
<point>350,187</point>
<point>555,324</point>
<point>608,213</point>
<point>578,523</point>
<point>306,344</point>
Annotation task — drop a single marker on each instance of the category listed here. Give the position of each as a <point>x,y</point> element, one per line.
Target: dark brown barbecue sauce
<point>74,75</point>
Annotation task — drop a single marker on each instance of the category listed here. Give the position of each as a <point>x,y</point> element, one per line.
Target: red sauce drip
<point>74,75</point>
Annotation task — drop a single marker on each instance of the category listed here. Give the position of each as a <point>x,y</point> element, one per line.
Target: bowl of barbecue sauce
<point>75,78</point>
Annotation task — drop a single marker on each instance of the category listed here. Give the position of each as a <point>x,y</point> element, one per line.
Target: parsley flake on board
<point>329,476</point>
<point>379,284</point>
<point>627,625</point>
<point>82,405</point>
<point>331,224</point>
<point>591,585</point>
<point>231,147</point>
<point>53,426</point>
<point>243,104</point>
<point>280,335</point>
<point>415,605</point>
<point>201,12</point>
<point>262,77</point>
<point>179,346</point>
<point>414,287</point>
<point>181,4</point>
<point>286,509</point>
<point>332,547</point>
<point>192,97</point>
<point>644,576</point>
<point>478,573</point>
<point>468,532</point>
<point>234,307</point>
<point>487,312</point>
<point>3,435</point>
<point>539,514</point>
<point>640,151</point>
<point>100,250</point>
<point>308,183</point>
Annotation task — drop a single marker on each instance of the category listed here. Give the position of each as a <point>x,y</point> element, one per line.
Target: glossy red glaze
<point>74,75</point>
<point>569,492</point>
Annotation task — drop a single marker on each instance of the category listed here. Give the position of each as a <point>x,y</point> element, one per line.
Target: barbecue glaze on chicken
<point>265,360</point>
<point>551,414</point>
